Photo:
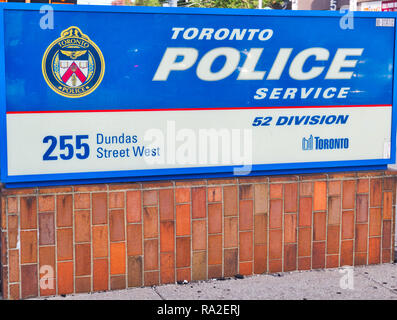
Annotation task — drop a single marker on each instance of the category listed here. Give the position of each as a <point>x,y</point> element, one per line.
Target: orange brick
<point>82,201</point>
<point>82,220</point>
<point>151,278</point>
<point>182,195</point>
<point>261,198</point>
<point>305,212</point>
<point>304,263</point>
<point>260,256</point>
<point>260,235</point>
<point>167,236</point>
<point>319,226</point>
<point>290,257</point>
<point>374,250</point>
<point>276,191</point>
<point>29,283</point>
<point>349,194</point>
<point>320,196</point>
<point>361,237</point>
<point>65,244</point>
<point>116,200</point>
<point>133,206</point>
<point>318,261</point>
<point>275,244</point>
<point>117,282</point>
<point>334,188</point>
<point>276,214</point>
<point>166,201</point>
<point>134,239</point>
<point>12,205</point>
<point>334,210</point>
<point>230,200</point>
<point>289,228</point>
<point>47,257</point>
<point>46,203</point>
<point>199,266</point>
<point>387,205</point>
<point>246,215</point>
<point>214,249</point>
<point>135,271</point>
<point>99,208</point>
<point>28,246</point>
<point>151,261</point>
<point>375,222</point>
<point>387,234</point>
<point>183,220</point>
<point>65,277</point>
<point>230,258</point>
<point>13,265</point>
<point>83,259</point>
<point>246,192</point>
<point>333,239</point>
<point>150,222</point>
<point>306,189</point>
<point>348,225</point>
<point>100,241</point>
<point>214,194</point>
<point>83,284</point>
<point>183,252</point>
<point>362,185</point>
<point>183,274</point>
<point>245,268</point>
<point>362,208</point>
<point>150,198</point>
<point>117,258</point>
<point>215,218</point>
<point>346,255</point>
<point>116,225</point>
<point>290,197</point>
<point>332,261</point>
<point>304,242</point>
<point>167,268</point>
<point>198,203</point>
<point>199,235</point>
<point>28,213</point>
<point>246,246</point>
<point>275,266</point>
<point>376,192</point>
<point>13,233</point>
<point>46,228</point>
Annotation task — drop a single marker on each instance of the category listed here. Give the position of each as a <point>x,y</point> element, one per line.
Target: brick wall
<point>114,236</point>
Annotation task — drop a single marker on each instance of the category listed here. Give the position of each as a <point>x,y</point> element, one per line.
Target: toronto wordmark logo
<point>73,66</point>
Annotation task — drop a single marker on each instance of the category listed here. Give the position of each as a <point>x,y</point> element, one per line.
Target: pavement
<point>375,282</point>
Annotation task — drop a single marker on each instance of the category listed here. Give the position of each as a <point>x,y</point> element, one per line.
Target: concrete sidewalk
<point>369,282</point>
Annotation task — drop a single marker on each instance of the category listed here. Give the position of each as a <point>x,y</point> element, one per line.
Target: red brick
<point>135,271</point>
<point>333,240</point>
<point>167,268</point>
<point>245,268</point>
<point>387,205</point>
<point>275,244</point>
<point>304,263</point>
<point>374,251</point>
<point>304,242</point>
<point>28,213</point>
<point>14,292</point>
<point>318,261</point>
<point>133,206</point>
<point>230,258</point>
<point>246,215</point>
<point>83,259</point>
<point>361,237</point>
<point>90,188</point>
<point>290,197</point>
<point>199,266</point>
<point>332,261</point>
<point>362,185</point>
<point>116,200</point>
<point>13,265</point>
<point>43,190</point>
<point>82,201</point>
<point>320,196</point>
<point>29,281</point>
<point>46,228</point>
<point>334,210</point>
<point>260,235</point>
<point>348,225</point>
<point>65,244</point>
<point>199,235</point>
<point>150,222</point>
<point>261,198</point>
<point>306,189</point>
<point>230,200</point>
<point>349,194</point>
<point>305,212</point>
<point>117,258</point>
<point>183,220</point>
<point>246,246</point>
<point>387,234</point>
<point>83,285</point>
<point>12,205</point>
<point>198,203</point>
<point>290,228</point>
<point>12,232</point>
<point>183,274</point>
<point>290,257</point>
<point>3,244</point>
<point>388,183</point>
<point>99,208</point>
<point>167,236</point>
<point>214,194</point>
<point>151,278</point>
<point>215,218</point>
<point>319,226</point>
<point>65,277</point>
<point>275,266</point>
<point>100,241</point>
<point>276,191</point>
<point>376,192</point>
<point>183,252</point>
<point>362,208</point>
<point>346,254</point>
<point>360,258</point>
<point>82,225</point>
<point>334,188</point>
<point>28,246</point>
<point>260,258</point>
<point>117,282</point>
<point>155,184</point>
<point>46,203</point>
<point>246,192</point>
<point>150,198</point>
<point>151,250</point>
<point>166,204</point>
<point>116,225</point>
<point>47,257</point>
<point>276,214</point>
<point>214,249</point>
<point>386,256</point>
<point>375,222</point>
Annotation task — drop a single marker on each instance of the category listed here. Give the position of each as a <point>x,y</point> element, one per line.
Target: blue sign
<point>136,93</point>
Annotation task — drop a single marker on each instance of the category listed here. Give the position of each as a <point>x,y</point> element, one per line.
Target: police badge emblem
<point>73,66</point>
